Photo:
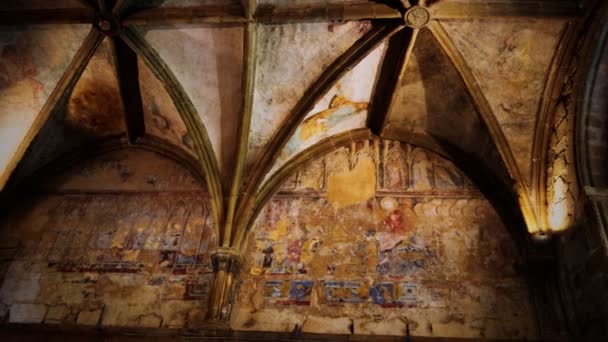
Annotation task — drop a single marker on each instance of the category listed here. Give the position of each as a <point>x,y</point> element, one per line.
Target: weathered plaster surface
<point>161,118</point>
<point>208,62</point>
<point>31,62</point>
<point>125,170</point>
<point>562,184</point>
<point>290,58</point>
<point>93,253</point>
<point>425,250</point>
<point>95,105</point>
<point>510,60</point>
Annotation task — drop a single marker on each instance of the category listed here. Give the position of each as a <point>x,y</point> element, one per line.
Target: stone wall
<point>584,250</point>
<point>378,236</point>
<point>121,240</point>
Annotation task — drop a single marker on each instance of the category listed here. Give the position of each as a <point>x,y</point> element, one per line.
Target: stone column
<point>226,266</point>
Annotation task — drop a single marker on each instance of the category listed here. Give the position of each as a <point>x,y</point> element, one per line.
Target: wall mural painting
<point>128,233</point>
<point>425,248</point>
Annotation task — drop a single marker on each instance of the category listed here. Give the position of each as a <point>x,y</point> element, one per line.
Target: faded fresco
<point>290,58</point>
<point>342,108</point>
<point>95,105</point>
<point>517,55</point>
<point>32,61</point>
<point>95,252</point>
<point>423,248</point>
<point>161,118</point>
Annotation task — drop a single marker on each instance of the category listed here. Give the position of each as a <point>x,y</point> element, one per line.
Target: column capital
<point>226,259</point>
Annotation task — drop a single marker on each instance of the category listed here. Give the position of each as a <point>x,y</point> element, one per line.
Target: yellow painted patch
<point>256,271</point>
<point>314,125</point>
<point>280,231</point>
<point>353,186</point>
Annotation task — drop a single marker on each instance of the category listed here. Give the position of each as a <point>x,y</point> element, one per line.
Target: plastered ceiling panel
<point>32,61</point>
<point>341,109</point>
<point>515,54</point>
<point>289,59</point>
<point>208,62</point>
<point>161,118</point>
<point>95,105</point>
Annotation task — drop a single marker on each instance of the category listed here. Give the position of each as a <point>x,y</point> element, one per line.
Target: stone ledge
<point>67,333</point>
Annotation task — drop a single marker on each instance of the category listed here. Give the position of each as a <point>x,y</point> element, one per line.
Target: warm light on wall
<point>558,213</point>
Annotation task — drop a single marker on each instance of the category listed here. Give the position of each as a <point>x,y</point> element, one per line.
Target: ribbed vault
<point>240,86</point>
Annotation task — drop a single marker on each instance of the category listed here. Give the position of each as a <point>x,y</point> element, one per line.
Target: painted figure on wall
<point>341,112</point>
<point>382,293</point>
<point>397,225</point>
<point>395,170</point>
<point>422,171</point>
<point>301,290</point>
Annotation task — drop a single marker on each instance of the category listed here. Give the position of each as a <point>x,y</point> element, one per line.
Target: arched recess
<point>340,250</point>
<point>110,235</point>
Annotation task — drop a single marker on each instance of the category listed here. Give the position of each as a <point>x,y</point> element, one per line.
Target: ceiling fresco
<point>32,60</point>
<point>93,111</point>
<point>289,58</point>
<point>207,61</point>
<point>516,54</point>
<point>95,105</point>
<point>471,90</point>
<point>343,108</point>
<point>161,118</point>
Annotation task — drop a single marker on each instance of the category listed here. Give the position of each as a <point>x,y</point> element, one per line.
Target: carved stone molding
<point>228,260</point>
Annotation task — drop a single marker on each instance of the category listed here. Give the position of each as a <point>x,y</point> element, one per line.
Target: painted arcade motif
<point>127,234</point>
<point>424,247</point>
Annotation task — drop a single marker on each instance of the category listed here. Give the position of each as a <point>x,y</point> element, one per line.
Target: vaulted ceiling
<point>247,90</point>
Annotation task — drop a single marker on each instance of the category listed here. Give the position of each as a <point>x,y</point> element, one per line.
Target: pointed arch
<point>204,149</point>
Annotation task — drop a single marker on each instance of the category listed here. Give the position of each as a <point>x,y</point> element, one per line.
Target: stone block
<point>89,317</point>
<point>57,314</point>
<point>27,313</point>
<point>150,321</point>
